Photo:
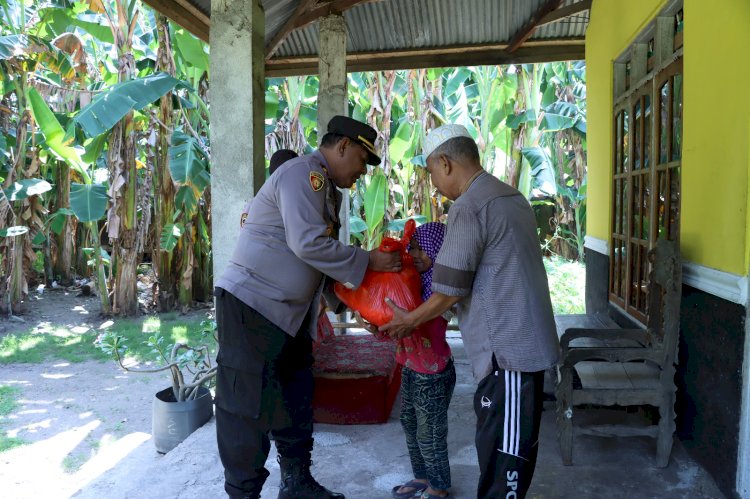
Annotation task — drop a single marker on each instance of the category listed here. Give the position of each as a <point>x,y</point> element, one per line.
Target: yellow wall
<point>716,153</point>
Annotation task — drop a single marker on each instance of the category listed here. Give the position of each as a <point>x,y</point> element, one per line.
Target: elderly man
<point>490,264</point>
<point>267,305</point>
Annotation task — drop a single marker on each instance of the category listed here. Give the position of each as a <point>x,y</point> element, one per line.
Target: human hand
<point>381,261</point>
<point>372,328</point>
<point>401,325</point>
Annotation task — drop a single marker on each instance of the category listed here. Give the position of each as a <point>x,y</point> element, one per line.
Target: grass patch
<point>567,285</point>
<point>36,347</point>
<point>8,403</point>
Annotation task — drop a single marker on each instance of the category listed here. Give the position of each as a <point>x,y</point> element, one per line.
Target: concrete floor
<point>366,461</point>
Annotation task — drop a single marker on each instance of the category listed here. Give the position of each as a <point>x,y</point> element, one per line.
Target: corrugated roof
<point>400,24</point>
<point>388,34</point>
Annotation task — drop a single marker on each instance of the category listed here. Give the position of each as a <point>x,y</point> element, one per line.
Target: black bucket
<point>172,421</point>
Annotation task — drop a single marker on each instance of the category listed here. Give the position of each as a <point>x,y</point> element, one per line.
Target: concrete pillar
<point>237,117</point>
<point>332,93</point>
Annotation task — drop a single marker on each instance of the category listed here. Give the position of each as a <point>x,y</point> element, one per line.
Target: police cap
<point>359,132</point>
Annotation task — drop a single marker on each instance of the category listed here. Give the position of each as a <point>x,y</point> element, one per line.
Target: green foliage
<point>37,346</point>
<point>16,230</point>
<point>54,135</point>
<point>188,166</point>
<point>88,201</point>
<point>567,285</point>
<point>170,236</point>
<point>26,187</point>
<point>113,104</point>
<point>8,404</point>
<point>189,366</point>
<point>375,200</point>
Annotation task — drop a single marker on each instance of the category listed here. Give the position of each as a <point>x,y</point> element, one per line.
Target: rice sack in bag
<point>404,288</point>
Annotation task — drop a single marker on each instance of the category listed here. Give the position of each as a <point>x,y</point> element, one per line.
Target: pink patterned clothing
<point>426,350</point>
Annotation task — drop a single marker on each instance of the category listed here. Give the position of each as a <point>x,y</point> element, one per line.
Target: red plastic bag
<point>403,288</point>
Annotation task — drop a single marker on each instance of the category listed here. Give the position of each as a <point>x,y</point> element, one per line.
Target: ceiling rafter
<point>189,18</point>
<point>563,12</point>
<point>307,12</point>
<point>528,29</point>
<point>459,55</point>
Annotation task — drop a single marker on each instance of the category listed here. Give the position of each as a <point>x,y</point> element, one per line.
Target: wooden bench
<point>604,365</point>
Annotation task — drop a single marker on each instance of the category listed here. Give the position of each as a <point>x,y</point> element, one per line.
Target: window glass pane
<point>643,288</point>
<point>663,119</point>
<point>647,131</point>
<point>661,203</point>
<point>677,119</point>
<point>625,142</point>
<point>646,207</point>
<point>637,135</point>
<point>674,203</point>
<point>624,211</point>
<point>618,207</point>
<point>618,143</point>
<point>635,222</point>
<point>632,264</point>
<point>621,258</point>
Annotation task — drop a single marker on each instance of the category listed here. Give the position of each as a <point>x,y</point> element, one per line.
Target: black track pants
<point>508,405</point>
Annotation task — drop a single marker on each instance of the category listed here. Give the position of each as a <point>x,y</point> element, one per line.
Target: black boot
<point>298,483</point>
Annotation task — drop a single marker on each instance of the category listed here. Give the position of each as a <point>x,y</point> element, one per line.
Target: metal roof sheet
<point>399,24</point>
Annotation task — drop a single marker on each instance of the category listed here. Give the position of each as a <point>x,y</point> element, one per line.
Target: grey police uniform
<point>266,304</point>
<point>287,243</point>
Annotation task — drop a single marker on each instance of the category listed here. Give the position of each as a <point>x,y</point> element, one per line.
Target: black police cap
<point>359,132</point>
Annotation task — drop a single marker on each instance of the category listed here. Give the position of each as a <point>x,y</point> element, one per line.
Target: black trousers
<point>508,405</point>
<point>264,385</point>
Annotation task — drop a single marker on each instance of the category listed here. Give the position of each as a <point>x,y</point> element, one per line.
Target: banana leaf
<point>27,47</point>
<point>27,187</point>
<point>559,116</point>
<point>170,235</point>
<point>88,201</point>
<point>54,135</point>
<point>111,106</point>
<point>375,199</point>
<point>542,170</point>
<point>188,167</point>
<point>16,230</point>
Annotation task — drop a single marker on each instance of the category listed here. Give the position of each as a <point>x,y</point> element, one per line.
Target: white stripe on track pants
<point>508,405</point>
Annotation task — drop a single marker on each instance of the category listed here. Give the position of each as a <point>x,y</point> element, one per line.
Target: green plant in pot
<point>187,404</point>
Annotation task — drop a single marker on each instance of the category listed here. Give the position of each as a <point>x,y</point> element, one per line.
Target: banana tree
<point>22,53</point>
<point>188,165</point>
<point>88,201</point>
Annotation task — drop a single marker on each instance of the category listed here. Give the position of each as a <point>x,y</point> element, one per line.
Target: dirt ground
<point>78,419</point>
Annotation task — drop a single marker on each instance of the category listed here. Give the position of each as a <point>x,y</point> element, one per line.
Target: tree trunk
<point>187,264</point>
<point>63,262</point>
<point>122,218</point>
<point>164,261</point>
<point>123,214</point>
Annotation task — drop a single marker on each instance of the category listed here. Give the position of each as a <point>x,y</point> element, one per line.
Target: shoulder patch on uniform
<point>243,218</point>
<point>316,181</point>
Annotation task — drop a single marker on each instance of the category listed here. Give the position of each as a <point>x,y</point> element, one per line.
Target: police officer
<point>267,305</point>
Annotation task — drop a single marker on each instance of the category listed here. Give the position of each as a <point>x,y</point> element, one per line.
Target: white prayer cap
<point>440,135</point>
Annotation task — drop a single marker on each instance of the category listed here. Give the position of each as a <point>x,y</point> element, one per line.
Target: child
<point>427,381</point>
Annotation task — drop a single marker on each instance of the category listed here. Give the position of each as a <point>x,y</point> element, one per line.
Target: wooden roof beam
<point>564,12</point>
<point>307,13</point>
<point>528,29</point>
<point>184,14</point>
<point>464,55</point>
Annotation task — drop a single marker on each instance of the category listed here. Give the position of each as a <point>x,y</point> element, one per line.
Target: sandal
<point>418,487</point>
